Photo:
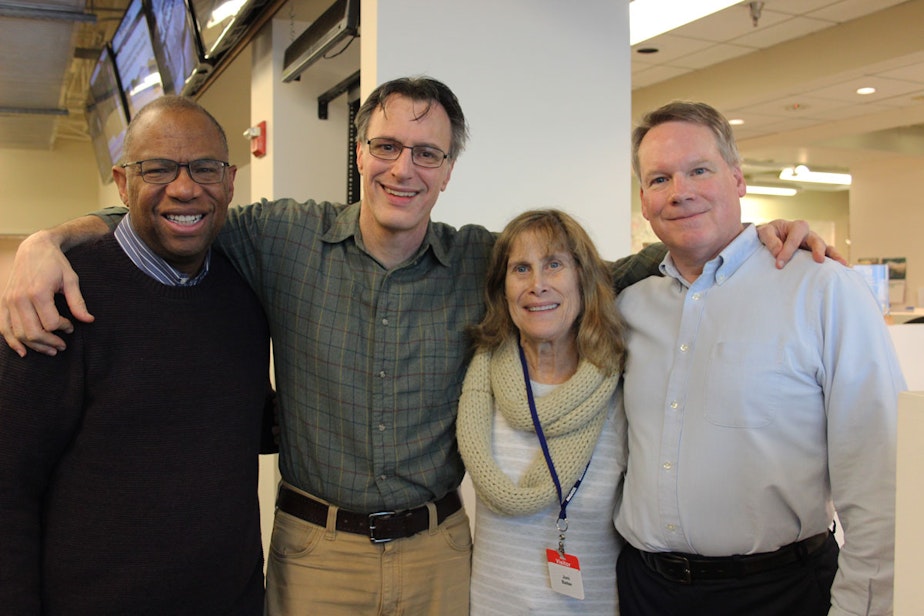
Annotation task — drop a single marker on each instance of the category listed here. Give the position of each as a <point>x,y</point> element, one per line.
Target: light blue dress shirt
<point>759,400</point>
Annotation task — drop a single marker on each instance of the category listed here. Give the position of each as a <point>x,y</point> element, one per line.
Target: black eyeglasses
<point>164,171</point>
<point>421,155</point>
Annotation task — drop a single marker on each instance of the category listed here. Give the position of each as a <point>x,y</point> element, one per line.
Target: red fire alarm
<point>257,136</point>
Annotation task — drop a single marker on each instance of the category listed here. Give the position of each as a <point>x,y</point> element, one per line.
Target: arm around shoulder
<point>634,268</point>
<point>28,316</point>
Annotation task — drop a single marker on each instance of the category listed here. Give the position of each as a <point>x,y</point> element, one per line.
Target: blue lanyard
<point>562,515</point>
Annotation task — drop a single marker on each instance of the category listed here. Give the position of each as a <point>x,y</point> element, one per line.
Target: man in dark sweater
<point>128,465</point>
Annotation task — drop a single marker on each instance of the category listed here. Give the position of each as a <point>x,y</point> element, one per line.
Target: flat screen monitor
<point>135,61</point>
<point>221,23</point>
<point>176,47</point>
<point>107,117</point>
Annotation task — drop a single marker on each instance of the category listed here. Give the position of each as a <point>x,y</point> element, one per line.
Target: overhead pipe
<point>44,11</point>
<point>32,111</point>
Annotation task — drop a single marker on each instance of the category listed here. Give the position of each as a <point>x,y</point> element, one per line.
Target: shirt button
<point>382,374</point>
<point>381,427</point>
<point>384,321</point>
<point>382,477</point>
<point>667,466</point>
<point>720,277</point>
<point>674,404</point>
<point>684,348</point>
<point>696,296</point>
<point>671,528</point>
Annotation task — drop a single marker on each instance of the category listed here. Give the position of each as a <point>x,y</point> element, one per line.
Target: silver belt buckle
<point>376,516</point>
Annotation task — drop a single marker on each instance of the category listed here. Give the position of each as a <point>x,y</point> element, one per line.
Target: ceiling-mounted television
<point>338,22</point>
<point>176,46</point>
<point>107,116</point>
<point>135,61</point>
<point>221,23</point>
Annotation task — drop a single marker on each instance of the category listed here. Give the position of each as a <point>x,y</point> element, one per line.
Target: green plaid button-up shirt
<point>369,362</point>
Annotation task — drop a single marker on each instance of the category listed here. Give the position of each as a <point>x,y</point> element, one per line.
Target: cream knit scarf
<point>572,417</point>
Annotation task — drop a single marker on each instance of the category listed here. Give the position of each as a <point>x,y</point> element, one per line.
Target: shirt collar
<point>150,262</point>
<point>724,265</point>
<point>347,225</point>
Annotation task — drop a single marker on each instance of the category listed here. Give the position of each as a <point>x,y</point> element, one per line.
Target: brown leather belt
<point>380,527</point>
<point>689,568</point>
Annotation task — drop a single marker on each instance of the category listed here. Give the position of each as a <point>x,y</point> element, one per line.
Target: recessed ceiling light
<point>865,91</point>
<point>736,121</point>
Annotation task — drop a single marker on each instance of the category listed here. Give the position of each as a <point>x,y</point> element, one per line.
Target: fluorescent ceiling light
<point>649,18</point>
<point>801,173</point>
<point>224,11</point>
<point>776,191</point>
<point>150,80</point>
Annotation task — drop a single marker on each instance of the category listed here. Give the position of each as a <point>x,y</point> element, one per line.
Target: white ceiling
<point>792,78</point>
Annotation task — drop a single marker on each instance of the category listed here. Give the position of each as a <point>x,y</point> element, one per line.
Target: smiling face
<point>179,220</point>
<point>398,195</point>
<point>689,193</point>
<point>543,293</point>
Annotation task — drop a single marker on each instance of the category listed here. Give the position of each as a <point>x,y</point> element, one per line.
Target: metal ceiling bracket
<point>344,86</point>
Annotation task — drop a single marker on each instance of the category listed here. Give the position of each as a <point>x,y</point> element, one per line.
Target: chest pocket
<point>746,381</point>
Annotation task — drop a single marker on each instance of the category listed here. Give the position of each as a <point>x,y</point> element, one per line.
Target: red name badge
<point>565,574</point>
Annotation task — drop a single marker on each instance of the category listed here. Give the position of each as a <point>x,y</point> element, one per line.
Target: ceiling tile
<point>729,24</point>
<point>851,9</point>
<point>911,72</point>
<point>800,7</point>
<point>656,74</point>
<point>712,55</point>
<point>791,28</point>
<point>847,91</point>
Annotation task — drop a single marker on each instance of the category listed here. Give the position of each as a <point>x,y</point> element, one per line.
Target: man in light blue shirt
<point>758,401</point>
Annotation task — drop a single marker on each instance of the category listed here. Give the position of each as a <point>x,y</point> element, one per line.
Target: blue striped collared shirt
<point>152,264</point>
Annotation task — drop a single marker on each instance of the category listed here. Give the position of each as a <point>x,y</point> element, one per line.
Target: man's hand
<point>28,315</point>
<point>784,237</point>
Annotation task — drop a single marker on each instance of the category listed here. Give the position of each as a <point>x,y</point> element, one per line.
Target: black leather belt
<point>689,568</point>
<point>380,527</point>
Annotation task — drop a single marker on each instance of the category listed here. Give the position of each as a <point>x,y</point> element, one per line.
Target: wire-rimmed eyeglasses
<point>421,155</point>
<point>164,170</point>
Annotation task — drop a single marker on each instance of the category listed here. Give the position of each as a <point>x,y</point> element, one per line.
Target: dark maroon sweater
<point>128,463</point>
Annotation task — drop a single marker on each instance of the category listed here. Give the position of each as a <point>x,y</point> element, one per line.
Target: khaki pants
<point>313,570</point>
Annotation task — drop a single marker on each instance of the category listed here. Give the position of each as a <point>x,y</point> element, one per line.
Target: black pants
<point>801,589</point>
